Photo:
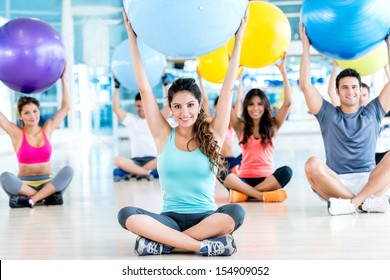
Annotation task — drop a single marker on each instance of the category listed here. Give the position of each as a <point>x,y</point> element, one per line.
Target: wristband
<point>116,83</point>
<point>164,80</point>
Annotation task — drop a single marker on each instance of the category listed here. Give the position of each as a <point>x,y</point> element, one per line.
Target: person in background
<point>143,161</point>
<point>31,142</point>
<point>257,130</point>
<point>365,97</point>
<point>349,180</point>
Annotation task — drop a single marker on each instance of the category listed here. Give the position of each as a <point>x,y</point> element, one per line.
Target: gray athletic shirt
<point>350,139</point>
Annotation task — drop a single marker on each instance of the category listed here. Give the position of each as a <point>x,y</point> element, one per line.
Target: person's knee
<point>63,178</point>
<point>283,175</point>
<point>288,171</point>
<point>239,215</point>
<point>10,183</point>
<point>68,171</point>
<point>5,177</point>
<point>312,165</point>
<point>124,214</point>
<point>117,161</point>
<point>236,214</point>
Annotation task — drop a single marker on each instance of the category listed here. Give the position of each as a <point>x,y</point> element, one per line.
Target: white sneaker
<point>340,206</point>
<point>376,204</point>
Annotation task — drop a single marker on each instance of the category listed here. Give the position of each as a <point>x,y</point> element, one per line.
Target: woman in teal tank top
<point>188,161</point>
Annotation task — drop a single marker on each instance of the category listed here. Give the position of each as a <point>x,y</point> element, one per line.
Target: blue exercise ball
<point>154,64</point>
<point>346,29</point>
<point>32,55</point>
<point>185,28</point>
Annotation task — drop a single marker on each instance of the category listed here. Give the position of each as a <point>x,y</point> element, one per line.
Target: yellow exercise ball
<point>213,66</point>
<point>267,35</point>
<point>369,63</point>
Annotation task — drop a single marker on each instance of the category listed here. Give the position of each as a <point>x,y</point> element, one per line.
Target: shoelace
<point>152,246</point>
<point>214,248</point>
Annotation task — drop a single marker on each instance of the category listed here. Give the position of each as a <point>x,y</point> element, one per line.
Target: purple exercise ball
<point>32,55</point>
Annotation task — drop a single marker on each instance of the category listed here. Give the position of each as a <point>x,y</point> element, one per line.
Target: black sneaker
<point>54,199</point>
<point>18,201</point>
<point>149,177</point>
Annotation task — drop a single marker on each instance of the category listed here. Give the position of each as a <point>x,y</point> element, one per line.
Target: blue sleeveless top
<point>186,179</point>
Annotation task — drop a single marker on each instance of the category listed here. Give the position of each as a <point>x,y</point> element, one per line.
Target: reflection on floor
<point>86,227</point>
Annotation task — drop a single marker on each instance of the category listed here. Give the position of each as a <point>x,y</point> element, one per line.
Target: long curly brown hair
<point>203,137</point>
<point>267,122</point>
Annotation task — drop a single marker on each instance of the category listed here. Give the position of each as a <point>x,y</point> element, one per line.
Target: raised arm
<point>235,114</point>
<point>220,123</point>
<point>312,97</point>
<point>158,125</point>
<point>165,111</point>
<point>119,112</point>
<point>334,98</point>
<point>61,113</point>
<point>206,103</point>
<point>9,127</point>
<point>238,103</point>
<point>387,71</point>
<point>285,108</point>
<point>384,96</point>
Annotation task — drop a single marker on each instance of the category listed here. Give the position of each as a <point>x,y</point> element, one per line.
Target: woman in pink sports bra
<point>257,129</point>
<point>31,143</point>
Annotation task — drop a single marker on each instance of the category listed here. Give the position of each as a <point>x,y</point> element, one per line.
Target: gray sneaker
<point>149,177</point>
<point>340,206</point>
<point>376,204</point>
<point>144,247</point>
<point>220,246</point>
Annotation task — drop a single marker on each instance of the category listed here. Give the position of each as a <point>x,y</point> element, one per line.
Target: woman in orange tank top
<point>257,130</point>
<point>31,143</point>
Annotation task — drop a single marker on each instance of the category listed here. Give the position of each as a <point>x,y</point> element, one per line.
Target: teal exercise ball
<point>185,28</point>
<point>346,29</point>
<point>154,64</point>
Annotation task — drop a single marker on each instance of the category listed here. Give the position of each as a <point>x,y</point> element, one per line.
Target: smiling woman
<point>188,160</point>
<point>257,131</point>
<point>33,149</point>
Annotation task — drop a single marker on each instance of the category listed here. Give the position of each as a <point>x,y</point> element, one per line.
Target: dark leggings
<point>379,156</point>
<point>233,161</point>
<point>181,222</point>
<point>283,175</point>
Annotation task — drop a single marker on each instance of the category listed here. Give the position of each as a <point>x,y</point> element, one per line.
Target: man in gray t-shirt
<point>349,180</point>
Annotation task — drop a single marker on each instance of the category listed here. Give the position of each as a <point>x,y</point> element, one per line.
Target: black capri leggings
<point>283,175</point>
<point>181,222</point>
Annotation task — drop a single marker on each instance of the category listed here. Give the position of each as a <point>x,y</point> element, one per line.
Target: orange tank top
<point>257,161</point>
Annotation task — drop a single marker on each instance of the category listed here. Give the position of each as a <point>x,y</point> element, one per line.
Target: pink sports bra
<point>28,154</point>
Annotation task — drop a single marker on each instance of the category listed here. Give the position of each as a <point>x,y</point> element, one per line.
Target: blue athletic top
<point>186,179</point>
<point>350,139</point>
